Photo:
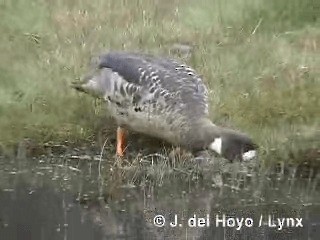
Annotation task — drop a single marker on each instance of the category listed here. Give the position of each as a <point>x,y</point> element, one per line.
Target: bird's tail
<point>79,86</point>
<point>97,83</point>
<point>85,87</point>
<point>86,84</point>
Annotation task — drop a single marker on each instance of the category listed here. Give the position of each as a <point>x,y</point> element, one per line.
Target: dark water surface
<point>52,199</point>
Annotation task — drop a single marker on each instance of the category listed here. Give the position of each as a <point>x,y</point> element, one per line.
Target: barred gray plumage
<point>163,98</point>
<point>177,82</point>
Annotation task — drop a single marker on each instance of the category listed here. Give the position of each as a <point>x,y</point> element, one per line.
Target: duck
<point>163,98</point>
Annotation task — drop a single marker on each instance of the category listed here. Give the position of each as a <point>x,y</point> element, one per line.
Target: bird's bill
<point>249,155</point>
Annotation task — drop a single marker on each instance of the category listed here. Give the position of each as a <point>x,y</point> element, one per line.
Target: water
<point>51,198</point>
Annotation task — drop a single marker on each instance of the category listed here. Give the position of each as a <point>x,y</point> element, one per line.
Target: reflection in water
<point>59,201</point>
<point>41,213</point>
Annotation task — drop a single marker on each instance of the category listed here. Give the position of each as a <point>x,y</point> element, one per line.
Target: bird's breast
<point>150,119</point>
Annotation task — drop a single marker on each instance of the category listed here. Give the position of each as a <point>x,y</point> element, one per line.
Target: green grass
<point>259,58</point>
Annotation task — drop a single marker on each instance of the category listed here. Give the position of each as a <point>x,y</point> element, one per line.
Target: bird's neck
<point>201,133</point>
<point>207,128</point>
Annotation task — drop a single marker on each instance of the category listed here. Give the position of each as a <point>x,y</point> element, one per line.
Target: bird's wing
<point>163,77</point>
<point>122,92</point>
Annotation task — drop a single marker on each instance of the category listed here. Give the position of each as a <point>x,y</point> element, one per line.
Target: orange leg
<point>121,141</point>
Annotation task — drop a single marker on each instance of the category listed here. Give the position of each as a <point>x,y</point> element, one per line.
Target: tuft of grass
<point>260,60</point>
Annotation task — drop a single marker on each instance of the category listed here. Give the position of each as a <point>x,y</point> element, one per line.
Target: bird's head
<point>228,143</point>
<point>234,145</point>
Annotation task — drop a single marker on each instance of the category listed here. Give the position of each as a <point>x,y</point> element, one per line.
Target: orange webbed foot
<point>121,141</point>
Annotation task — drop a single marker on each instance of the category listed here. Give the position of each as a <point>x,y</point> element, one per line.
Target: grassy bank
<point>259,58</point>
